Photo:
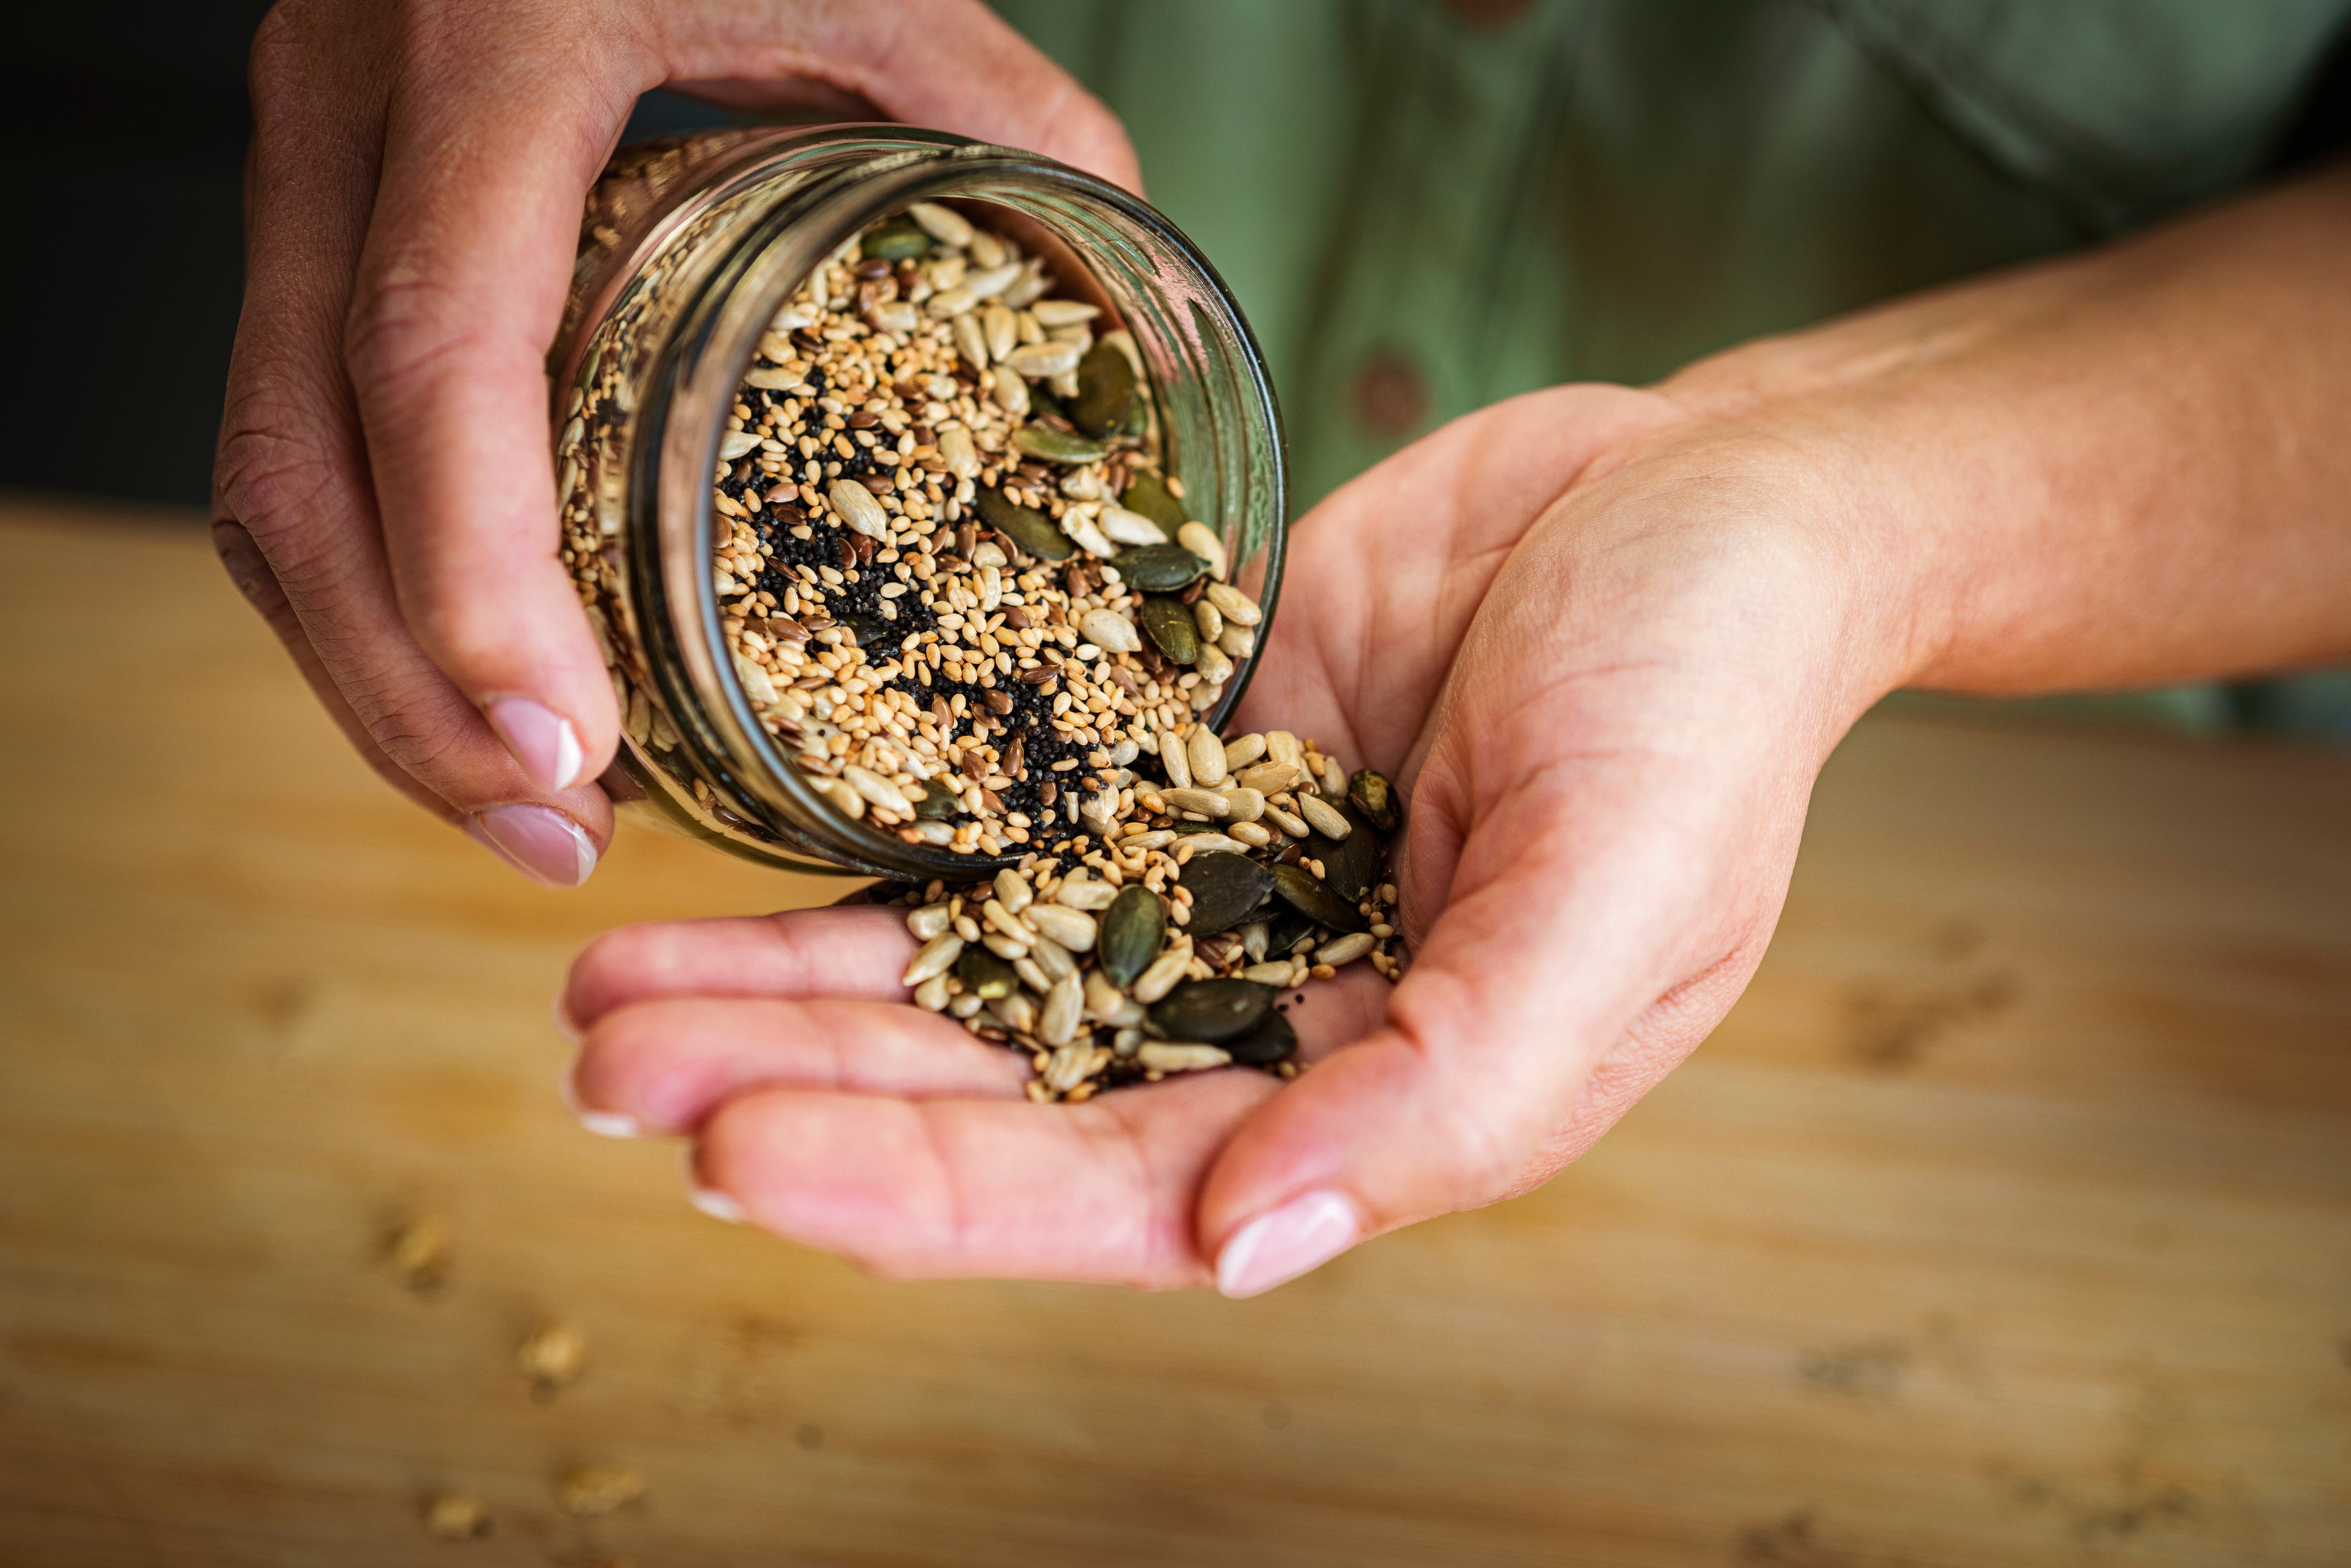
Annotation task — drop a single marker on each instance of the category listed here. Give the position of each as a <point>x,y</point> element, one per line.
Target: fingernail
<point>1296,1238</point>
<point>541,741</point>
<point>544,845</point>
<point>716,1204</point>
<point>563,1025</point>
<point>603,1124</point>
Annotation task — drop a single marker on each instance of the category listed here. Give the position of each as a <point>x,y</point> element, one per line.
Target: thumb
<point>1546,956</point>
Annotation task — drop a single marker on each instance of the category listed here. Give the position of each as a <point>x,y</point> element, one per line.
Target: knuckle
<point>270,480</point>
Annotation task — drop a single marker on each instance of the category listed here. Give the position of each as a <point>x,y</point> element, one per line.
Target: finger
<point>664,1066</point>
<point>1102,1190</point>
<point>459,289</point>
<point>851,953</point>
<point>952,64</point>
<point>1530,974</point>
<point>249,571</point>
<point>291,472</point>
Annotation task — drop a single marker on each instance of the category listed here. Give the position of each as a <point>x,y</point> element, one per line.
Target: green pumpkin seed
<point>1058,446</point>
<point>1285,929</point>
<point>1149,495</point>
<point>1374,799</point>
<point>1105,390</point>
<point>900,239</point>
<point>1030,528</point>
<point>1170,622</point>
<point>1299,888</point>
<point>1267,1043</point>
<point>985,974</point>
<point>1212,1011</point>
<point>1137,422</point>
<point>1226,889</point>
<point>937,800</point>
<point>1351,865</point>
<point>1132,930</point>
<point>1158,568</point>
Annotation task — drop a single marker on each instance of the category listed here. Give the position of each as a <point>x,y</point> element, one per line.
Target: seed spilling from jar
<point>1165,943</point>
<point>956,582</point>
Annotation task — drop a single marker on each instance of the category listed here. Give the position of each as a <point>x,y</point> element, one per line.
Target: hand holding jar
<point>384,491</point>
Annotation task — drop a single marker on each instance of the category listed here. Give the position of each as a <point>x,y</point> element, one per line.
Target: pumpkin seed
<point>1170,624</point>
<point>1350,865</point>
<point>1132,930</point>
<point>1158,568</point>
<point>1213,1011</point>
<point>1286,929</point>
<point>1058,445</point>
<point>1030,528</point>
<point>1267,1043</point>
<point>937,800</point>
<point>900,239</point>
<point>1374,799</point>
<point>1105,390</point>
<point>1149,495</point>
<point>1300,889</point>
<point>1226,889</point>
<point>986,976</point>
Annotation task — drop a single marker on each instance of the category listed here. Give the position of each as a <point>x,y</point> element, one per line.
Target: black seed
<point>1105,390</point>
<point>1308,896</point>
<point>1158,568</point>
<point>1170,624</point>
<point>1226,888</point>
<point>1267,1043</point>
<point>984,974</point>
<point>1213,1011</point>
<point>1134,928</point>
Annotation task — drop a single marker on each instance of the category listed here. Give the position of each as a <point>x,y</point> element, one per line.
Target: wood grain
<point>2007,1220</point>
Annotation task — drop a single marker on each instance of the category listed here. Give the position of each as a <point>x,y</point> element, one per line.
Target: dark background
<point>125,129</point>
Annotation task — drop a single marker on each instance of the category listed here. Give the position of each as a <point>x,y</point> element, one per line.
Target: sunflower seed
<point>1345,949</point>
<point>1064,1007</point>
<point>1207,755</point>
<point>1206,802</point>
<point>1170,1056</point>
<point>1066,926</point>
<point>934,957</point>
<point>1233,604</point>
<point>1087,895</point>
<point>859,509</point>
<point>970,340</point>
<point>1175,759</point>
<point>1202,541</point>
<point>1130,527</point>
<point>1039,361</point>
<point>1165,970</point>
<point>1011,392</point>
<point>1063,312</point>
<point>736,443</point>
<point>1323,818</point>
<point>926,922</point>
<point>1110,630</point>
<point>1012,891</point>
<point>944,224</point>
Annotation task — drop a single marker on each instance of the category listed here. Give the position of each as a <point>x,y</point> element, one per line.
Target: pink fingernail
<point>541,741</point>
<point>570,1031</point>
<point>1296,1238</point>
<point>544,845</point>
<point>603,1124</point>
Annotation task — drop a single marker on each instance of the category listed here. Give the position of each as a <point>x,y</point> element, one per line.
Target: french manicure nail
<point>1296,1238</point>
<point>545,845</point>
<point>563,1025</point>
<point>603,1124</point>
<point>542,741</point>
<point>716,1204</point>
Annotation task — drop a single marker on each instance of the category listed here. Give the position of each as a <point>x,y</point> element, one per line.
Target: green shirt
<point>1425,206</point>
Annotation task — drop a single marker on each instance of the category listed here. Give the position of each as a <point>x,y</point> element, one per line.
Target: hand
<point>1603,647</point>
<point>385,492</point>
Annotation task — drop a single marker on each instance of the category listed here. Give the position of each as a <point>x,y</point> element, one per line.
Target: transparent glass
<point>687,250</point>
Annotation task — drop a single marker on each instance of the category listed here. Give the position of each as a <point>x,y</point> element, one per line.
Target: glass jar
<point>688,249</point>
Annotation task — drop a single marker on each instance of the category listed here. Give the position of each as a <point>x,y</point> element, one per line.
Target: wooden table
<point>2008,1221</point>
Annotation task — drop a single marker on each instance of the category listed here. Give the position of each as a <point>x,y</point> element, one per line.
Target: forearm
<point>2130,466</point>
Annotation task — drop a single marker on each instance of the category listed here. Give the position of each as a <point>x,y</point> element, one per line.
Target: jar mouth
<point>1220,431</point>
